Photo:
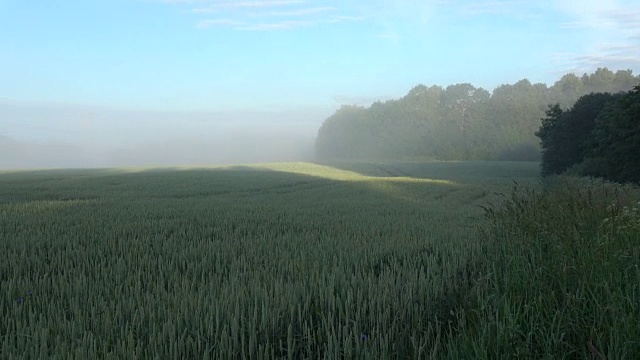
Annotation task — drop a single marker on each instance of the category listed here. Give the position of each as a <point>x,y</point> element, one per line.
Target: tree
<point>552,134</point>
<point>462,122</point>
<point>516,111</point>
<point>616,141</point>
<point>624,80</point>
<point>342,135</point>
<point>565,136</point>
<point>600,81</point>
<point>567,90</point>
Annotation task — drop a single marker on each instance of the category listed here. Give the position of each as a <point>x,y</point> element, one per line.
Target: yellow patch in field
<point>332,173</point>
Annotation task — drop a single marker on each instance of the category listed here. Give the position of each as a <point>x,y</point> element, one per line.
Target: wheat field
<point>283,260</point>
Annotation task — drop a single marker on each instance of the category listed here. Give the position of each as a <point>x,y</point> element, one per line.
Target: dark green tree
<point>551,134</point>
<point>615,154</point>
<point>565,136</point>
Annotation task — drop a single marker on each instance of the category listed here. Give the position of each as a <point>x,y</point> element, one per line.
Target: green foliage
<point>459,122</point>
<point>565,136</point>
<point>564,275</point>
<point>599,136</point>
<point>270,261</point>
<point>551,143</point>
<point>352,142</point>
<point>616,141</point>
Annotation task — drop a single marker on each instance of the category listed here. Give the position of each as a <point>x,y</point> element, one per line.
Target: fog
<point>40,135</point>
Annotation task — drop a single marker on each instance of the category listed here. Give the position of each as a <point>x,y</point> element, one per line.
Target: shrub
<point>565,281</point>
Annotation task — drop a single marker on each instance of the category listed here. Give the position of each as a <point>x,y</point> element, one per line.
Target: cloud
<point>204,24</point>
<point>302,12</point>
<point>624,19</point>
<point>275,25</point>
<point>180,1</point>
<point>600,15</point>
<point>217,6</point>
<point>263,15</point>
<point>613,57</point>
<point>614,27</point>
<point>291,18</point>
<point>493,7</point>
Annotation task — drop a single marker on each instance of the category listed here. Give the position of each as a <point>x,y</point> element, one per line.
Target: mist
<point>40,135</point>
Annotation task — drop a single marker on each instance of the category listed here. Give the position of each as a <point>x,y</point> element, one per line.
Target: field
<point>285,260</point>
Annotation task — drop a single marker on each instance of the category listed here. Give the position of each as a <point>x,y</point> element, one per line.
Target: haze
<point>169,82</point>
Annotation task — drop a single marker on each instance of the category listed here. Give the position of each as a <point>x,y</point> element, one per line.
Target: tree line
<point>598,136</point>
<point>459,122</point>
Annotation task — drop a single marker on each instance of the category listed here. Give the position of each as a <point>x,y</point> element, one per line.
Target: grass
<point>564,281</point>
<point>300,260</point>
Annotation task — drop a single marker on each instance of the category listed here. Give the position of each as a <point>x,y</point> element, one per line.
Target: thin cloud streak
<point>493,7</point>
<point>303,22</point>
<point>205,24</point>
<point>282,25</point>
<point>247,4</point>
<point>180,1</point>
<point>344,18</point>
<point>302,12</point>
<point>583,63</point>
<point>616,23</point>
<point>625,19</point>
<point>618,28</point>
<point>274,14</point>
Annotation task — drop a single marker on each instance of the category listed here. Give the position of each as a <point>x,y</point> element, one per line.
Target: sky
<point>112,75</point>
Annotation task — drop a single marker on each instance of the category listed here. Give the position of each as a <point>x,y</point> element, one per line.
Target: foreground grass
<point>304,260</point>
<point>267,261</point>
<point>564,280</point>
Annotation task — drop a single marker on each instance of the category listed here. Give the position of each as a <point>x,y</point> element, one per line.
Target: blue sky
<point>219,54</point>
<point>294,59</point>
